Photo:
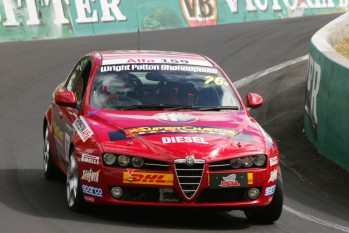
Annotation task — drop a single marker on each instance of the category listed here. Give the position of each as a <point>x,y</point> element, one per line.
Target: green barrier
<point>327,109</point>
<point>49,19</point>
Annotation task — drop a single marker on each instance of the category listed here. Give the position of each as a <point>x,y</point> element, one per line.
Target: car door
<point>65,116</point>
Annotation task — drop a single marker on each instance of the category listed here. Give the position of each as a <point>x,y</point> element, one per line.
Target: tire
<point>75,197</point>
<point>51,172</point>
<point>270,213</point>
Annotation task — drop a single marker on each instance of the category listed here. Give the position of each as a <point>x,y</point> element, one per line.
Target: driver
<point>117,89</point>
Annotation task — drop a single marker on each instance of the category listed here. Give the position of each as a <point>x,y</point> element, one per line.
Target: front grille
<point>189,176</point>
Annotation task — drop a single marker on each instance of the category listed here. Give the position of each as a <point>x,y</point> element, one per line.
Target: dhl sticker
<point>147,178</point>
<point>250,178</point>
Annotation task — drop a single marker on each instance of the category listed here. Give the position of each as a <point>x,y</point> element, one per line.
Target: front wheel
<point>51,172</point>
<point>270,213</point>
<point>74,193</point>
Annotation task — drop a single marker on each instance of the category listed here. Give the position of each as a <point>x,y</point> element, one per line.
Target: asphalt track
<point>316,197</point>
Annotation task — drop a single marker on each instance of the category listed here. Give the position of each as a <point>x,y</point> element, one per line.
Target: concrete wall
<point>326,121</point>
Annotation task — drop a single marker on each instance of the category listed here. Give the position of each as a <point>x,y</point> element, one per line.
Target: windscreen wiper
<point>180,107</point>
<point>217,108</point>
<point>158,107</point>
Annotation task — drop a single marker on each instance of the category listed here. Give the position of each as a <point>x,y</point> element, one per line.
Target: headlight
<point>247,161</point>
<point>260,160</point>
<point>124,160</point>
<point>235,163</point>
<point>137,162</point>
<point>109,159</point>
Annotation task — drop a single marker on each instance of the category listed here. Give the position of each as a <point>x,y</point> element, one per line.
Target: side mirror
<point>66,99</point>
<point>254,100</point>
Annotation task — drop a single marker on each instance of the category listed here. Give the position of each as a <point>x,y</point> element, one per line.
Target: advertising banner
<point>50,19</point>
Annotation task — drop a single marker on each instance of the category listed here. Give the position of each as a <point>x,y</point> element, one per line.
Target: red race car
<point>153,128</point>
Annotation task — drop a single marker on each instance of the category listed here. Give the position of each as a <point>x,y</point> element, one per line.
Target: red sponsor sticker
<point>89,199</point>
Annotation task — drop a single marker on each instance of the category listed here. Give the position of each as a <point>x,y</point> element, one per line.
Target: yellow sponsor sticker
<point>250,178</point>
<point>147,178</point>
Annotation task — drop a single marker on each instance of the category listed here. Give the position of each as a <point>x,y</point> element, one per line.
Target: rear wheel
<point>74,193</point>
<point>270,213</point>
<point>51,172</point>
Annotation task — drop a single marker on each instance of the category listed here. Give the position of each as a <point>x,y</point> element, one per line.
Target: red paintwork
<point>254,100</point>
<point>65,98</point>
<point>217,148</point>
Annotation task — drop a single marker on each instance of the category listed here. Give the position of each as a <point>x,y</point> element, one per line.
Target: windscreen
<point>122,86</point>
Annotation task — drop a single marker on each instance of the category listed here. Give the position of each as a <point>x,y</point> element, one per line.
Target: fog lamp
<point>117,192</point>
<point>253,193</point>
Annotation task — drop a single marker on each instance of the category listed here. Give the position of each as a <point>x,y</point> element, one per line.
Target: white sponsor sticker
<point>138,60</point>
<point>273,175</point>
<point>274,161</point>
<point>92,190</point>
<point>82,128</point>
<point>90,159</point>
<point>198,140</point>
<point>269,190</point>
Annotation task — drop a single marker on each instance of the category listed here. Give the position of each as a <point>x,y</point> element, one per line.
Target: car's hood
<point>170,135</point>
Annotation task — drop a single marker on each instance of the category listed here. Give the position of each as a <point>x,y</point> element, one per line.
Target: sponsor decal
<point>200,12</point>
<point>90,159</point>
<point>250,178</point>
<point>82,128</point>
<point>273,161</point>
<point>130,172</point>
<point>273,175</point>
<point>230,180</point>
<point>147,178</point>
<point>58,132</point>
<point>199,140</point>
<point>92,113</point>
<point>89,198</point>
<point>175,117</point>
<point>152,130</point>
<point>269,190</point>
<point>90,175</point>
<point>313,87</point>
<point>93,191</point>
<point>158,67</point>
<point>141,60</point>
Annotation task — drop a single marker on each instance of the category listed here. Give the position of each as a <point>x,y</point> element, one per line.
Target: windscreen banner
<point>49,19</point>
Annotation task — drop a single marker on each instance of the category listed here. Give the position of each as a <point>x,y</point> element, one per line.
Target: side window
<point>78,79</point>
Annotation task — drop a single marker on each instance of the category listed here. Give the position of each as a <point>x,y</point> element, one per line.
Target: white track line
<point>315,219</point>
<point>244,81</point>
